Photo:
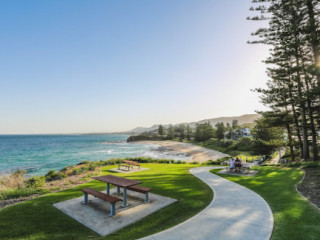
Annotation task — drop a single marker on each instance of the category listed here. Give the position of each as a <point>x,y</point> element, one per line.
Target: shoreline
<point>196,153</point>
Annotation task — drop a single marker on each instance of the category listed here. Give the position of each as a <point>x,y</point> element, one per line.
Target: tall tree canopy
<point>293,89</point>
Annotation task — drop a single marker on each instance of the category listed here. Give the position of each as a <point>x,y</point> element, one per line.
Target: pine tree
<point>293,88</point>
<point>160,130</point>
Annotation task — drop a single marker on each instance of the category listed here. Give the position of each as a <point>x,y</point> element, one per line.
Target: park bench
<point>112,200</point>
<point>140,189</point>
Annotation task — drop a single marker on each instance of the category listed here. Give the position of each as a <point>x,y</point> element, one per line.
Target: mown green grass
<point>38,219</point>
<point>294,217</point>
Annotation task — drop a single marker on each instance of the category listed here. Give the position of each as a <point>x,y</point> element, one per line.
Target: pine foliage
<point>293,88</point>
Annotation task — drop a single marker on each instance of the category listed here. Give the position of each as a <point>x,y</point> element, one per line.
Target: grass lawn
<point>294,217</point>
<point>38,219</point>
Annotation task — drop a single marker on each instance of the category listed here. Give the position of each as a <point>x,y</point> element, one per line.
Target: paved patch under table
<point>95,214</point>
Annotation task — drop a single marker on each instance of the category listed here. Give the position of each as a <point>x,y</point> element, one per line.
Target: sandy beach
<point>196,153</point>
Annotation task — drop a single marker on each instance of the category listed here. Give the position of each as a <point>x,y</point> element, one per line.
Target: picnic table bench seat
<point>228,169</point>
<point>111,199</point>
<point>140,189</point>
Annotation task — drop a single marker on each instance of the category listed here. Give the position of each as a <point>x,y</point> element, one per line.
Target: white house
<point>245,132</point>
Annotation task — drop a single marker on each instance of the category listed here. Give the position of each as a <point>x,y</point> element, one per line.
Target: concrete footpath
<point>235,213</point>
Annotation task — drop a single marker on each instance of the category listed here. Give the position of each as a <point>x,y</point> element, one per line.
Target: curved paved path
<point>234,213</point>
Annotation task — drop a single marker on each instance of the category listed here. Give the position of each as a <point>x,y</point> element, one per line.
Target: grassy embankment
<point>294,217</point>
<point>38,219</point>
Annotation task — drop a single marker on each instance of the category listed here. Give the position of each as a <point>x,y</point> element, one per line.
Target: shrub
<point>91,167</point>
<point>60,175</point>
<point>13,180</point>
<point>243,144</point>
<point>84,162</point>
<point>76,171</point>
<point>209,162</point>
<point>52,175</point>
<point>194,162</point>
<point>35,182</point>
<point>19,172</point>
<point>217,162</point>
<point>234,153</point>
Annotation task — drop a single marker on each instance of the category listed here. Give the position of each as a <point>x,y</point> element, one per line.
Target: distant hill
<point>246,120</point>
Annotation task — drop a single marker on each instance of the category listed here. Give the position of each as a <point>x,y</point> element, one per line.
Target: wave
<point>162,154</point>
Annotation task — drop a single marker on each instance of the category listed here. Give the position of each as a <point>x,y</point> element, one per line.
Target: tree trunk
<point>296,122</point>
<point>310,110</point>
<point>290,137</point>
<point>302,106</point>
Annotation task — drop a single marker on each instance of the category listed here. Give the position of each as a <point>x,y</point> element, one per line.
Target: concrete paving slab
<point>236,213</point>
<point>95,214</point>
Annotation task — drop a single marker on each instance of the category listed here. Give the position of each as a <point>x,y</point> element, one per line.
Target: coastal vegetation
<point>15,185</point>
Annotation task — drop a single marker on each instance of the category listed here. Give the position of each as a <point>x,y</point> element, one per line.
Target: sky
<point>80,66</point>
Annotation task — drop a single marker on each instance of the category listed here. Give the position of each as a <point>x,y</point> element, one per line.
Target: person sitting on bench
<point>237,164</point>
<point>232,164</point>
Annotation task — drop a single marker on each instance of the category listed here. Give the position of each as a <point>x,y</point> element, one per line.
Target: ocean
<point>38,154</point>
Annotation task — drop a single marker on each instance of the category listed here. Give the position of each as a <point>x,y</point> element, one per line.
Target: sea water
<point>38,154</point>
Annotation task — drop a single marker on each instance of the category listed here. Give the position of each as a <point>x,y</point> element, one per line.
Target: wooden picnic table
<point>131,163</point>
<point>119,182</point>
<point>245,167</point>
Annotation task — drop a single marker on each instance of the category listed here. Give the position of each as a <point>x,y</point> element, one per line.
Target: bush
<point>84,162</point>
<point>77,171</point>
<point>243,144</point>
<point>35,182</point>
<point>217,162</point>
<point>234,153</point>
<point>194,162</point>
<point>209,162</point>
<point>52,175</point>
<point>91,167</point>
<point>19,172</point>
<point>13,180</point>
